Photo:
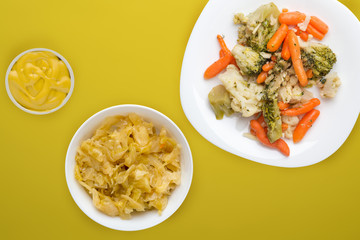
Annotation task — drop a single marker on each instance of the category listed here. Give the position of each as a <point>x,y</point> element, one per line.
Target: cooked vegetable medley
<point>266,75</point>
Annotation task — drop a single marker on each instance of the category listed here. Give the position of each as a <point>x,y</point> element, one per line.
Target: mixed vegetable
<point>268,72</point>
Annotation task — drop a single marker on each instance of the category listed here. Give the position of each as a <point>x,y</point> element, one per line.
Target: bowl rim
<point>72,80</point>
<point>73,191</point>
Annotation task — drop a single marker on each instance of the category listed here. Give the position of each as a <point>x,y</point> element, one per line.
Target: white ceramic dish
<point>338,115</point>
<point>32,111</point>
<point>141,220</point>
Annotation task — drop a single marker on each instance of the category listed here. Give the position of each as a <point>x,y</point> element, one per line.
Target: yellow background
<point>131,52</point>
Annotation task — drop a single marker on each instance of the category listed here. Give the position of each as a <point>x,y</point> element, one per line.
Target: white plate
<point>140,220</point>
<point>338,115</point>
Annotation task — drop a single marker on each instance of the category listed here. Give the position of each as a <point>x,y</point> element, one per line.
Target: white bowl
<point>33,111</point>
<point>141,220</point>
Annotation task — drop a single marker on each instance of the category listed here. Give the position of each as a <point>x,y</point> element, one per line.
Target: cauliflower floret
<point>292,122</point>
<point>307,96</point>
<point>246,96</point>
<point>240,18</point>
<point>329,85</point>
<point>291,92</point>
<point>293,80</point>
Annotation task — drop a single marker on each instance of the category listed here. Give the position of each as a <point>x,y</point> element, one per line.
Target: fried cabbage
<point>126,166</point>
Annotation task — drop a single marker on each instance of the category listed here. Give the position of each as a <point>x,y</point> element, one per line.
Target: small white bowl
<point>140,220</point>
<point>33,111</point>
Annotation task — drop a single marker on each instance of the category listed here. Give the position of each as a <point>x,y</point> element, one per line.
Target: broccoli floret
<point>271,112</point>
<point>257,28</point>
<point>259,40</point>
<point>249,61</point>
<point>318,57</point>
<point>281,65</point>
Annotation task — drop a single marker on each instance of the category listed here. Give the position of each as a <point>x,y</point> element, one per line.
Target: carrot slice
<point>303,35</point>
<point>313,31</point>
<point>306,107</point>
<point>285,52</point>
<point>294,48</point>
<point>309,73</point>
<point>283,106</point>
<point>268,66</point>
<point>305,124</point>
<point>291,18</point>
<point>284,127</point>
<point>262,77</point>
<point>278,38</point>
<point>319,25</point>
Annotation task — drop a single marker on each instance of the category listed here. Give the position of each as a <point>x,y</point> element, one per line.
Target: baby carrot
<point>303,35</point>
<point>218,66</point>
<point>282,146</point>
<point>252,131</point>
<point>225,50</point>
<point>313,31</point>
<point>305,124</point>
<point>309,73</point>
<point>285,52</point>
<point>262,77</point>
<point>268,66</point>
<point>260,132</point>
<point>291,18</point>
<point>306,107</point>
<point>294,48</point>
<point>261,135</point>
<point>226,58</point>
<point>261,120</point>
<point>277,39</point>
<point>222,53</point>
<point>273,58</point>
<point>283,106</point>
<point>223,44</point>
<point>319,25</point>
